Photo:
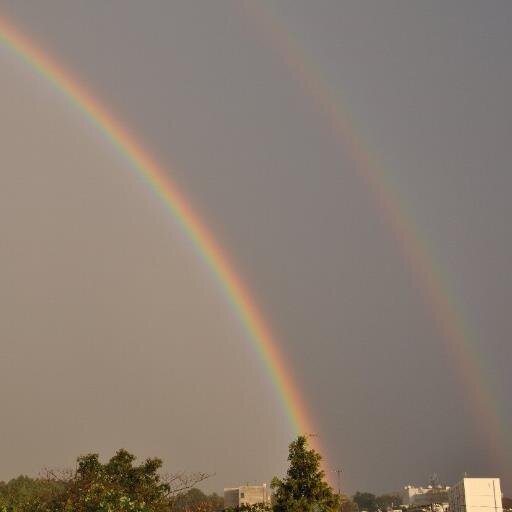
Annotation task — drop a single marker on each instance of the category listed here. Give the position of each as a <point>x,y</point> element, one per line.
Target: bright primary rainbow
<point>430,278</point>
<point>258,332</point>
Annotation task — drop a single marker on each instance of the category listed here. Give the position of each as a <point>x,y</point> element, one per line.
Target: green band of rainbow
<point>180,208</point>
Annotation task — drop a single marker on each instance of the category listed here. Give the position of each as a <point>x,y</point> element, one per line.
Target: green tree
<point>118,486</point>
<point>24,493</point>
<point>304,488</point>
<point>194,500</point>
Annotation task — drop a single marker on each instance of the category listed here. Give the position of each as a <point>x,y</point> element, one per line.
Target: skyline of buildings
<point>467,495</point>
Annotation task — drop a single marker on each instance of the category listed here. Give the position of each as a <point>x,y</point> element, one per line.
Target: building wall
<point>476,495</point>
<point>246,495</point>
<point>422,496</point>
<point>408,493</point>
<point>231,498</point>
<point>432,496</point>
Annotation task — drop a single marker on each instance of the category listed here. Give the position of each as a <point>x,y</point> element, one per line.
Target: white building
<point>476,495</point>
<point>425,496</point>
<point>246,495</point>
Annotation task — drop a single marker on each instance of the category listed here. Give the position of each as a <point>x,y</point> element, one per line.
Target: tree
<point>366,501</point>
<point>258,507</point>
<point>386,501</point>
<point>25,493</point>
<point>303,489</point>
<point>118,485</point>
<point>347,505</point>
<point>194,500</point>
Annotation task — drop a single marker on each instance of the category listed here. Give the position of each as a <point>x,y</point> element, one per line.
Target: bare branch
<point>181,482</point>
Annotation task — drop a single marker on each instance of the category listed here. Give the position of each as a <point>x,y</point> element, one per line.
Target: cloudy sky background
<point>113,332</point>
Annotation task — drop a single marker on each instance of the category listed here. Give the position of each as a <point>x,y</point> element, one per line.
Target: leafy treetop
<point>304,488</point>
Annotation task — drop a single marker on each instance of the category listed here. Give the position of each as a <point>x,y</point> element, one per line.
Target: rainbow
<point>177,204</point>
<point>429,277</point>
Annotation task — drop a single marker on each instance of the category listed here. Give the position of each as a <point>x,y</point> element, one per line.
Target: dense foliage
<point>304,488</point>
<point>28,494</point>
<point>371,503</point>
<point>195,500</point>
<point>251,508</point>
<point>119,485</point>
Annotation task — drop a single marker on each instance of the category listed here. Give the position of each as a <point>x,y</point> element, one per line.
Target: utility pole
<point>338,472</point>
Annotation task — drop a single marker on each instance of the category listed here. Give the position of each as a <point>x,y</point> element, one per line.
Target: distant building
<point>425,496</point>
<point>476,495</point>
<point>246,495</point>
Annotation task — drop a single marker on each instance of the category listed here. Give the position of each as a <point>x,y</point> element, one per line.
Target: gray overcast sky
<point>113,333</point>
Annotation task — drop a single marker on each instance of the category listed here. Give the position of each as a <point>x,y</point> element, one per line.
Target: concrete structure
<point>476,495</point>
<point>425,496</point>
<point>246,495</point>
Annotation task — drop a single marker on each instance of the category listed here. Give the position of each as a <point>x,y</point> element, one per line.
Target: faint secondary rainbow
<point>429,277</point>
<point>180,208</point>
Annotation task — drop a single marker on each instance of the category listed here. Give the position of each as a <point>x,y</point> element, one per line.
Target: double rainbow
<point>429,277</point>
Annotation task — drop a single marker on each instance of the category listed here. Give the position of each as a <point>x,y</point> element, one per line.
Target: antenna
<point>434,481</point>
